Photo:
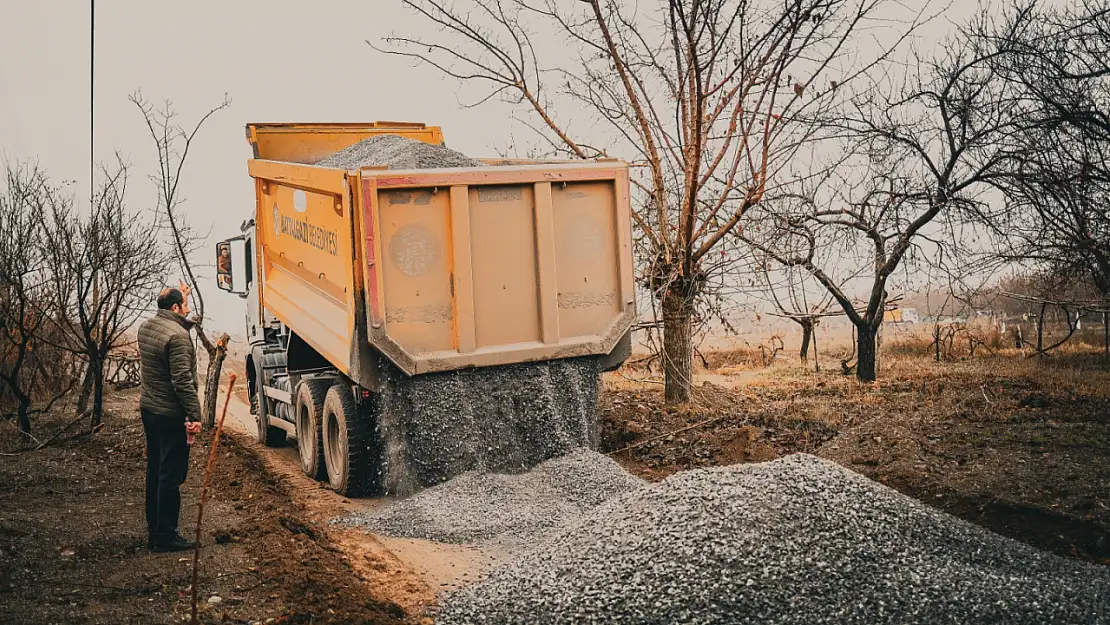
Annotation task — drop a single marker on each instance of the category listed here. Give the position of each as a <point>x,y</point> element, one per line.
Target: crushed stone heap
<point>799,540</point>
<point>397,152</point>
<point>505,509</point>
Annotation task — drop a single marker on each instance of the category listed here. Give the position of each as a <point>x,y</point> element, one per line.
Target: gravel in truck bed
<point>798,540</point>
<point>503,508</point>
<point>397,152</point>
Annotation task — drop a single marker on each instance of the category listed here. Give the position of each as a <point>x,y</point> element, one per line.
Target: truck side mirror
<point>232,265</point>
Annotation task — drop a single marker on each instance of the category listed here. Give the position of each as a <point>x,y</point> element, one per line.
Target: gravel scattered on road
<point>397,152</point>
<point>798,540</point>
<point>504,509</point>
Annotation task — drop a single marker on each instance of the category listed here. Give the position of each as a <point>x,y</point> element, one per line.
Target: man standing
<point>171,411</point>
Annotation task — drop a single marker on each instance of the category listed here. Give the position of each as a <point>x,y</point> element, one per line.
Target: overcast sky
<point>278,60</point>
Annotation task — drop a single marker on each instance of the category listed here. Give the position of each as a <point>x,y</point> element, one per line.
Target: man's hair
<point>169,298</point>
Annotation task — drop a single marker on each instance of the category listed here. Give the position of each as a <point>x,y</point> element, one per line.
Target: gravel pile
<point>492,419</point>
<point>799,540</point>
<point>397,152</point>
<point>505,509</point>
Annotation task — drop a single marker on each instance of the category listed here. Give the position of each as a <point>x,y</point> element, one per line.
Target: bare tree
<point>840,239</point>
<point>709,100</point>
<point>792,294</point>
<point>1058,214</point>
<point>108,266</point>
<point>172,143</point>
<point>26,283</point>
<point>928,151</point>
<point>1068,295</point>
<point>1054,63</point>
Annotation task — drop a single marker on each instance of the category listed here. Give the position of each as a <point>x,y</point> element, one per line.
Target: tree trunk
<point>816,354</point>
<point>807,336</point>
<point>865,359</point>
<point>216,358</point>
<point>936,341</point>
<point>1040,331</point>
<point>878,349</point>
<point>13,380</point>
<point>97,366</point>
<point>1106,333</point>
<point>678,347</point>
<point>24,417</point>
<point>86,390</point>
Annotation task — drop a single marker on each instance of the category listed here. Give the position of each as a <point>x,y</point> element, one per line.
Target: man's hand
<point>184,288</point>
<point>192,428</point>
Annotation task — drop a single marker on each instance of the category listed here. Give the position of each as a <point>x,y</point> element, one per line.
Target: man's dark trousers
<point>167,461</point>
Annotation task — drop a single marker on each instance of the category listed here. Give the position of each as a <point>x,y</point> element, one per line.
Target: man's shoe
<point>177,543</point>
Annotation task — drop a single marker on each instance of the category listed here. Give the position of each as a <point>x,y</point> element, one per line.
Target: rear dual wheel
<point>268,435</point>
<point>351,446</point>
<point>309,407</point>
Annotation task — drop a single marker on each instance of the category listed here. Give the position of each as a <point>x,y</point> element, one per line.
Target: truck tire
<point>268,435</point>
<point>309,406</point>
<point>351,444</point>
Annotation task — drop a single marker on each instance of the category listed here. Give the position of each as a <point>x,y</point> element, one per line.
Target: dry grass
<point>979,339</point>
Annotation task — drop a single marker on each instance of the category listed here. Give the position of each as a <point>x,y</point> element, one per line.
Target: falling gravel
<point>505,509</point>
<point>798,540</point>
<point>504,419</point>
<point>397,152</point>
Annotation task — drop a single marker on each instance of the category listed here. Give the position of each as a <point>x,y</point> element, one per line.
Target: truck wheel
<point>268,435</point>
<point>350,444</point>
<point>309,405</point>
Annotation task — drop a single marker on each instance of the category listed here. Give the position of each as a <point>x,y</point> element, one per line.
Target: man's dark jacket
<point>169,367</point>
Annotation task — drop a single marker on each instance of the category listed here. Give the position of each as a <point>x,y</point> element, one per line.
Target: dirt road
<point>72,539</point>
<point>410,572</point>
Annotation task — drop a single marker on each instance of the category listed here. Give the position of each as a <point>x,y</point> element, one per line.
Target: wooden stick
<point>27,434</point>
<point>204,492</point>
<point>80,417</point>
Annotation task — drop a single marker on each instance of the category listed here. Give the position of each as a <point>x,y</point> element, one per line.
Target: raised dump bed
<point>431,270</point>
<point>455,267</point>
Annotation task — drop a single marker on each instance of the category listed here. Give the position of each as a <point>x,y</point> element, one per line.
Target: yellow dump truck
<point>391,312</point>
